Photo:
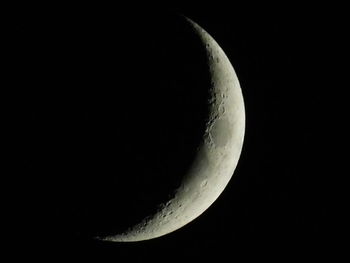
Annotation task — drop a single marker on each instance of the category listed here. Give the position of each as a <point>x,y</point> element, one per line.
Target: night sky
<point>92,85</point>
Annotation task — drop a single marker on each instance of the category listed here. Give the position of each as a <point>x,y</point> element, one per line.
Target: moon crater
<point>221,132</point>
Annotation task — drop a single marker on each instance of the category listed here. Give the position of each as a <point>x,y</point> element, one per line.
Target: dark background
<point>276,204</point>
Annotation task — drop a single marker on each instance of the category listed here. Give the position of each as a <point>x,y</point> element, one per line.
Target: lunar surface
<point>216,158</point>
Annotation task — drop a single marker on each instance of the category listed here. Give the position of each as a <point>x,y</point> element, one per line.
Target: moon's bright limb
<point>217,156</point>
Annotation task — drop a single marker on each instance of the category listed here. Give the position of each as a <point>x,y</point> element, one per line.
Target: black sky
<point>277,200</point>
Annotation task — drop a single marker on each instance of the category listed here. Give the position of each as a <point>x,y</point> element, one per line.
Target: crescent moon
<point>217,155</point>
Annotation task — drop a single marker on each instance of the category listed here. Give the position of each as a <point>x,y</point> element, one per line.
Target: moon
<point>216,157</point>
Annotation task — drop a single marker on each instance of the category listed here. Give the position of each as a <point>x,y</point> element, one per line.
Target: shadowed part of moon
<point>119,117</point>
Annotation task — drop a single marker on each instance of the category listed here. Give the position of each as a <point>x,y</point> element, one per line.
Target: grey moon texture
<point>217,156</point>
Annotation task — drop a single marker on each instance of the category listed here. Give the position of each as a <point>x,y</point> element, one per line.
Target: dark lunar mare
<point>115,111</point>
